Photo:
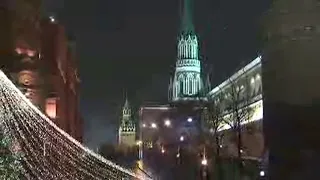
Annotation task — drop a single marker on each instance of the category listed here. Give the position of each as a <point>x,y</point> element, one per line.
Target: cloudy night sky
<point>131,45</point>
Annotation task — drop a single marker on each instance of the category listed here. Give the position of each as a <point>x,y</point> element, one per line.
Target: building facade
<point>62,88</point>
<point>240,96</point>
<point>127,129</point>
<point>36,55</point>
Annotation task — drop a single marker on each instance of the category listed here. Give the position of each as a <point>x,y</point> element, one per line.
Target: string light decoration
<point>49,153</point>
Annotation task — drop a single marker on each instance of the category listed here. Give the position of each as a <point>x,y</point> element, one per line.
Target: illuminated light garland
<point>49,153</point>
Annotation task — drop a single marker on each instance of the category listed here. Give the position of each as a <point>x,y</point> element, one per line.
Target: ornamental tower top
<point>187,83</point>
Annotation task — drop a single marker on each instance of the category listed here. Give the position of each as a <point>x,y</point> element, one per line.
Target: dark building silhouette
<point>291,89</point>
<point>38,57</point>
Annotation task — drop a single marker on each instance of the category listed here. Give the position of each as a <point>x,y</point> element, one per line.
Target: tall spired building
<point>127,129</point>
<point>186,84</point>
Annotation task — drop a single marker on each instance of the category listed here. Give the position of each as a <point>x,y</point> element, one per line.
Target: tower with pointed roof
<point>127,129</point>
<point>187,84</point>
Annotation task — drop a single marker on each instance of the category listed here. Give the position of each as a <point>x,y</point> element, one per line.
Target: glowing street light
<point>204,160</point>
<point>154,125</point>
<point>52,19</point>
<point>189,119</point>
<point>163,150</point>
<point>167,123</point>
<point>178,153</point>
<point>181,138</point>
<point>143,125</point>
<point>262,173</point>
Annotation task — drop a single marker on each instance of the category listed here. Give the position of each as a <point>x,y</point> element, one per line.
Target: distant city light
<point>143,125</point>
<point>189,119</point>
<point>154,125</point>
<point>262,173</point>
<point>181,138</point>
<point>52,19</point>
<point>167,123</point>
<point>178,155</point>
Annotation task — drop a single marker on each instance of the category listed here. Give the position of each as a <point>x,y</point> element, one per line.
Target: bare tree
<point>238,110</point>
<point>213,119</point>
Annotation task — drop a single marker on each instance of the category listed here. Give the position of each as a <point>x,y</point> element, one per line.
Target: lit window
<point>51,107</point>
<point>31,53</point>
<point>252,80</point>
<point>18,50</point>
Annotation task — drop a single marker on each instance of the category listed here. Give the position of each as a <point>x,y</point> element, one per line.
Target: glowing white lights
<point>167,123</point>
<point>154,125</point>
<point>190,119</point>
<point>144,125</point>
<point>262,173</point>
<point>48,151</point>
<point>252,80</point>
<point>204,161</point>
<point>52,19</point>
<point>181,138</point>
<point>163,150</point>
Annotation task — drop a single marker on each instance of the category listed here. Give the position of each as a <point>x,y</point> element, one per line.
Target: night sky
<point>131,45</point>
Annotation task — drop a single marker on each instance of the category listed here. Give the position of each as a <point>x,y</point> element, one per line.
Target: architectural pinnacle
<point>187,27</point>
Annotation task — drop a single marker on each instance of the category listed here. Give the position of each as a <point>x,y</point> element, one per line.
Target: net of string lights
<point>49,153</point>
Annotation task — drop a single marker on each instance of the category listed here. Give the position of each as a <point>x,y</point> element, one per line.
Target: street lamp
<point>189,119</point>
<point>262,173</point>
<point>167,123</point>
<point>204,161</point>
<point>143,125</point>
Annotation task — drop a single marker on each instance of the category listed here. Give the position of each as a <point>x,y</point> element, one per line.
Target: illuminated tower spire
<point>187,82</point>
<point>187,27</point>
<point>127,129</point>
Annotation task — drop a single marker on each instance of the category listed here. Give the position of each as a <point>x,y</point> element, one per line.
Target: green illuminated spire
<point>187,25</point>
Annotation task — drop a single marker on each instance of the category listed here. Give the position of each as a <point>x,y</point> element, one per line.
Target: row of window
<point>188,63</point>
<point>239,93</point>
<point>188,49</point>
<point>190,85</point>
